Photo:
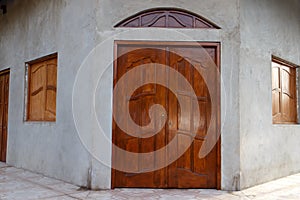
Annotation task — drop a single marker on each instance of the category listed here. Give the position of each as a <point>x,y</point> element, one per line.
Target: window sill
<point>286,124</point>
<point>46,123</point>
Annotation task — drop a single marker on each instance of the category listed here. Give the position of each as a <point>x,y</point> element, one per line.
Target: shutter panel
<point>284,95</point>
<point>37,91</point>
<point>276,93</point>
<point>50,104</point>
<point>42,90</point>
<point>288,104</point>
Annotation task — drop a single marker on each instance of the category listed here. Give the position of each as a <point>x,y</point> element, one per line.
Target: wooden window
<point>284,94</point>
<point>167,18</point>
<point>42,77</point>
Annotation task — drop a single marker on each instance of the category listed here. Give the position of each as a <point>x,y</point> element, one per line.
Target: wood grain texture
<point>42,78</point>
<point>4,94</point>
<point>284,94</point>
<point>167,18</point>
<point>188,171</point>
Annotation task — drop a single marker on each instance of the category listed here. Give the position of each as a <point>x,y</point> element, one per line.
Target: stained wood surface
<point>189,171</point>
<point>42,90</point>
<point>4,94</point>
<point>167,18</point>
<point>284,95</point>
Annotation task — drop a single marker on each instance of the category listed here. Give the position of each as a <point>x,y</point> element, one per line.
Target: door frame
<point>3,72</point>
<point>216,45</point>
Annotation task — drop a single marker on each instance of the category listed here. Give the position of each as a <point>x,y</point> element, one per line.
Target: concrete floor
<point>20,184</point>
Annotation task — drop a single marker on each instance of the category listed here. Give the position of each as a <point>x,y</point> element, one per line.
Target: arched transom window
<point>167,18</point>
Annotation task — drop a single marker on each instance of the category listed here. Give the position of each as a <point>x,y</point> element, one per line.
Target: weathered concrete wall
<point>268,27</point>
<point>223,13</point>
<point>73,28</point>
<point>32,29</point>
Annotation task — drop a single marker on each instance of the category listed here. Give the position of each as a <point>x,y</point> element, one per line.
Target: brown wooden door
<point>140,102</point>
<point>4,91</point>
<point>188,171</point>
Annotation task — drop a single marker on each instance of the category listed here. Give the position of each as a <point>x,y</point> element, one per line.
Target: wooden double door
<point>188,171</point>
<point>4,92</point>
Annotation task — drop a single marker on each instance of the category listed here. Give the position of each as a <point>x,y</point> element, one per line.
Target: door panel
<point>139,104</point>
<point>188,171</point>
<point>4,92</point>
<point>191,172</point>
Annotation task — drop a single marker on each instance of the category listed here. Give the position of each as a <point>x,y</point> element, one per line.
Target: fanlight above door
<point>167,18</point>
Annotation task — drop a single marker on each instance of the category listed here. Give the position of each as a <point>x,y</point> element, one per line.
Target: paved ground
<point>20,184</point>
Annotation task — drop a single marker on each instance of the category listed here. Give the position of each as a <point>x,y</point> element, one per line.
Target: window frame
<point>28,86</point>
<point>295,67</point>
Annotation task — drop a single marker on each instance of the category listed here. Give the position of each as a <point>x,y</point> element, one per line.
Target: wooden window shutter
<point>42,90</point>
<point>284,95</point>
<point>276,92</point>
<point>50,104</point>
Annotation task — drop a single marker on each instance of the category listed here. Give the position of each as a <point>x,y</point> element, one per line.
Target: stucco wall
<point>225,15</point>
<point>268,27</point>
<point>72,28</point>
<point>29,30</point>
